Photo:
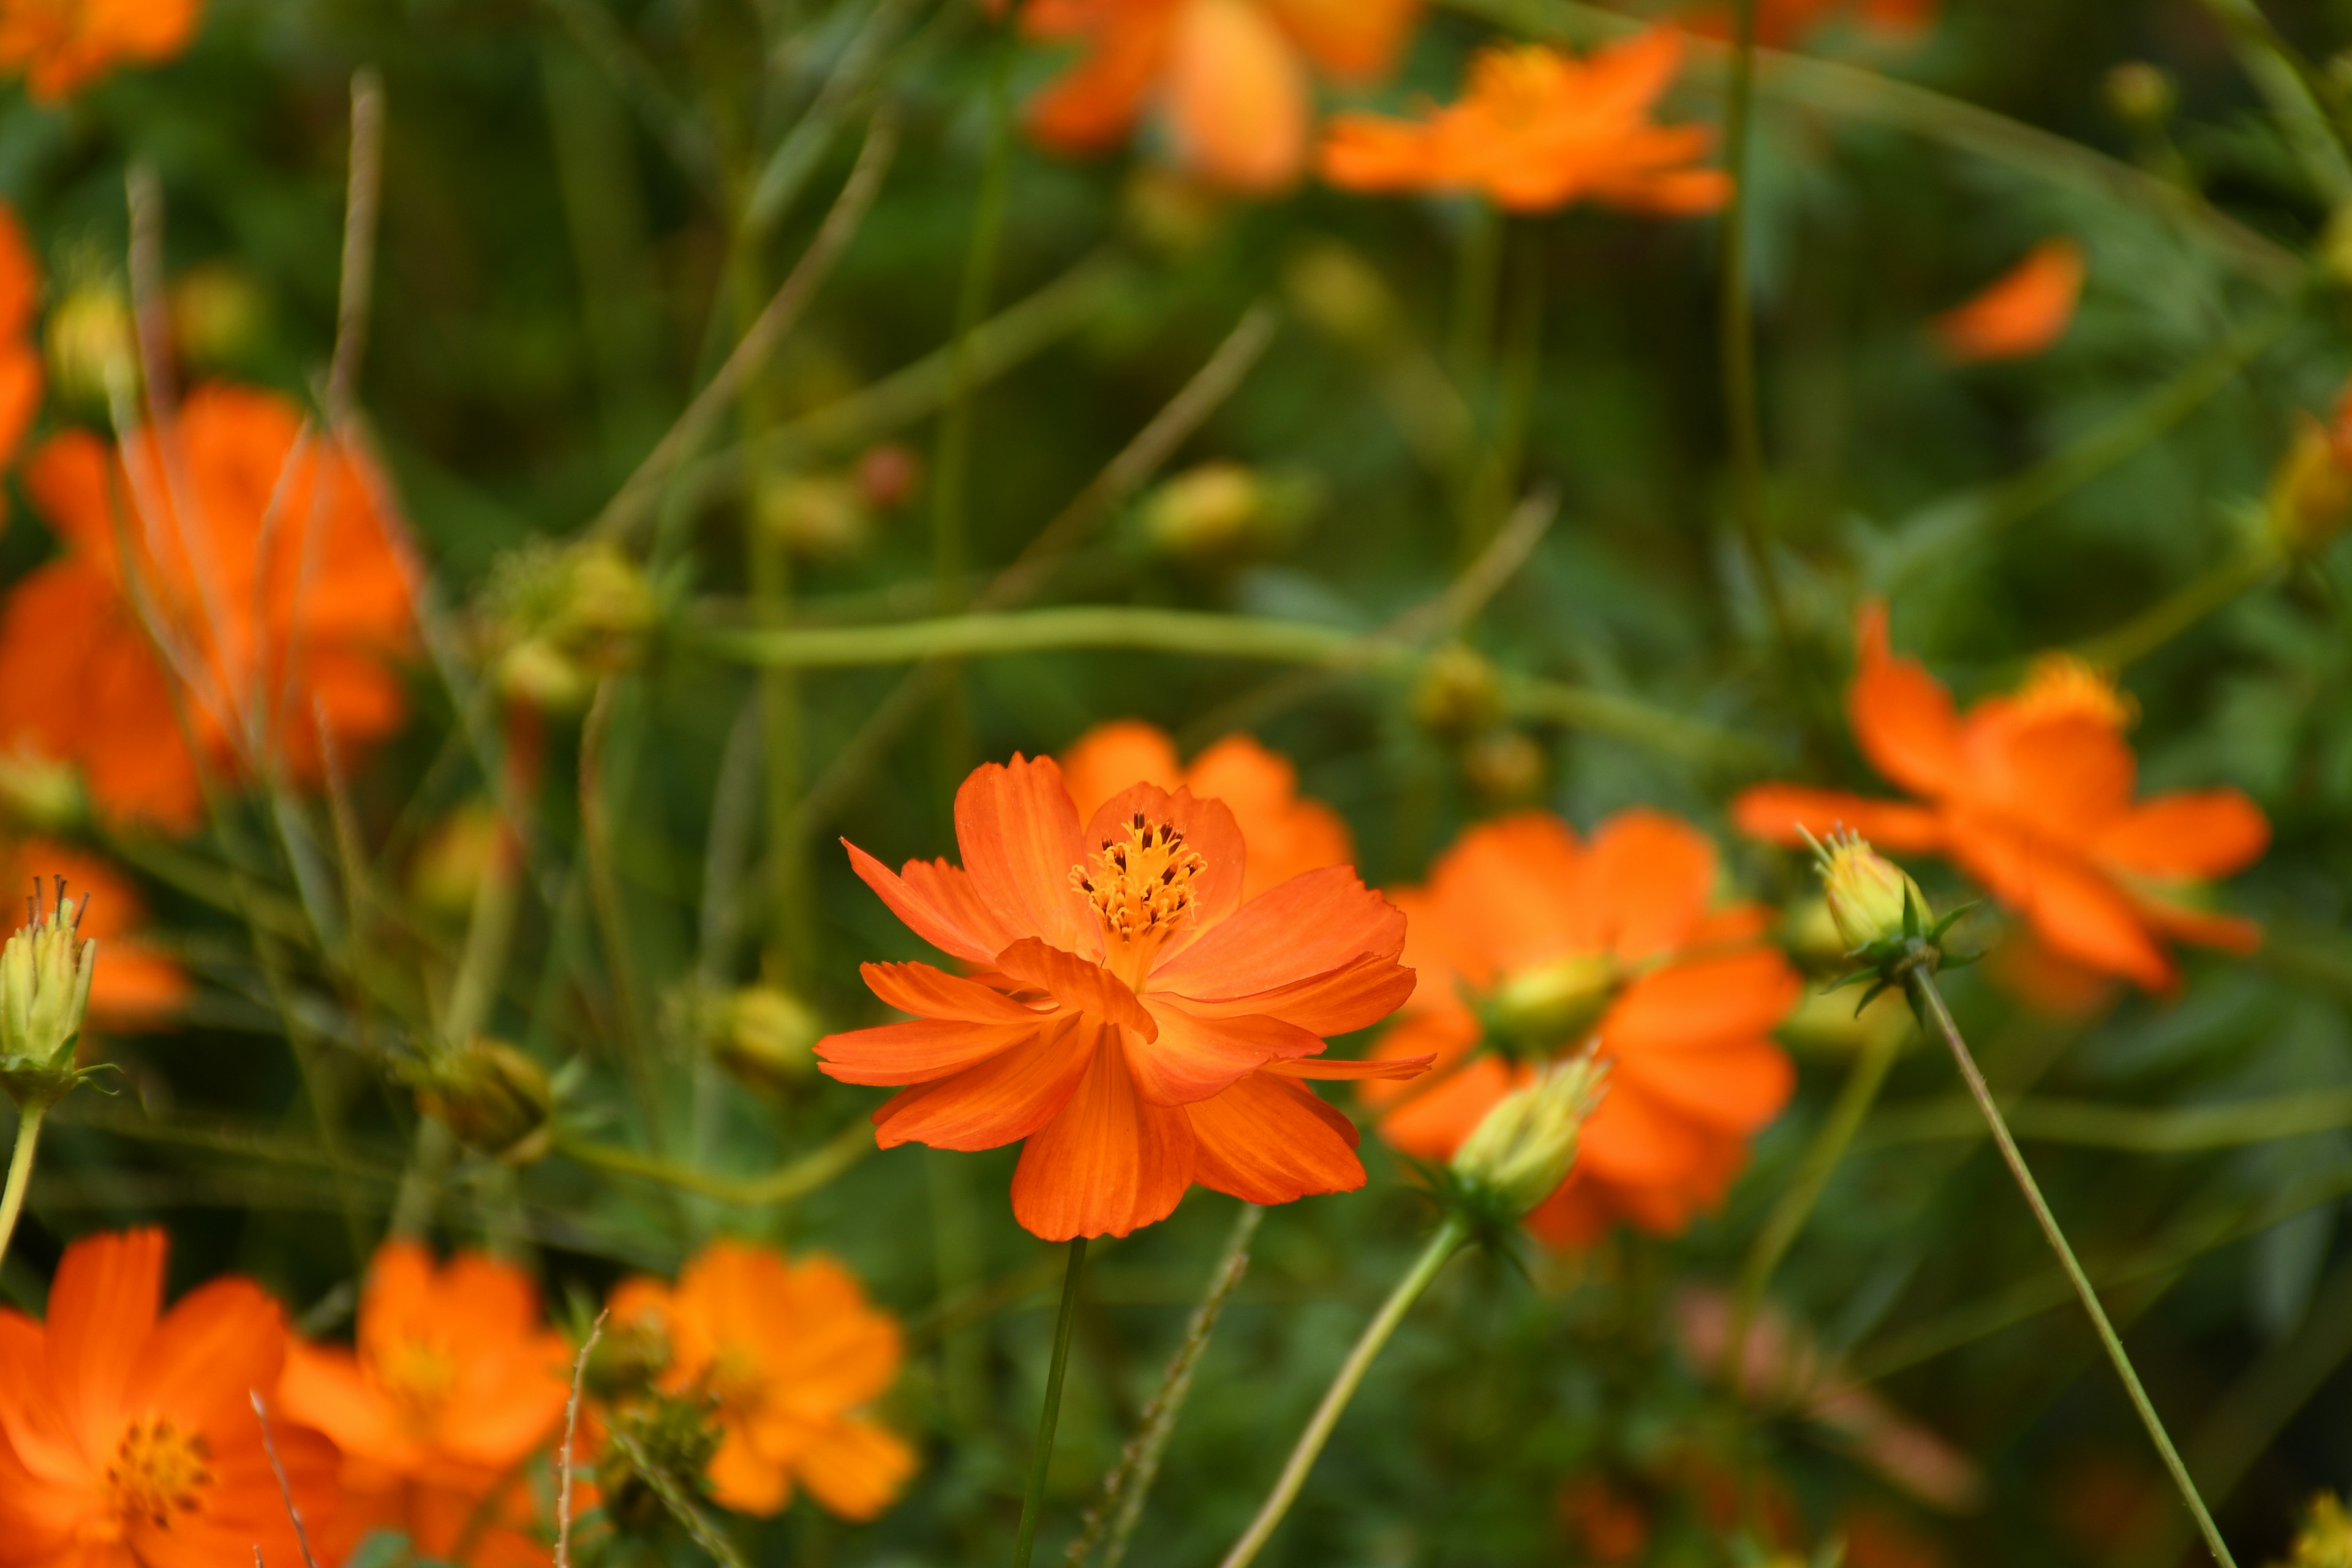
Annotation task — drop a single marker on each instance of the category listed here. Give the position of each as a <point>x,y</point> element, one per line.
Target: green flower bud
<point>494,1097</point>
<point>1342,295</point>
<point>1867,893</point>
<point>2141,95</point>
<point>1538,1011</point>
<point>1521,1152</point>
<point>91,345</point>
<point>1504,765</point>
<point>825,517</point>
<point>38,793</point>
<point>1459,693</point>
<point>45,974</point>
<point>765,1036</point>
<point>558,618</point>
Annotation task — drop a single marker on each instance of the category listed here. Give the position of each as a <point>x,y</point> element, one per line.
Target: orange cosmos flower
<point>134,986</point>
<point>1229,77</point>
<point>2019,314</point>
<point>278,590</point>
<point>2032,795</point>
<point>1287,835</point>
<point>790,1354</point>
<point>454,1385</point>
<point>60,45</point>
<point>1537,129</point>
<point>127,1438</point>
<point>1532,942</point>
<point>20,358</point>
<point>1137,1021</point>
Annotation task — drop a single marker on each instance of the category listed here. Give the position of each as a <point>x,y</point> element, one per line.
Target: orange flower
<point>60,45</point>
<point>1229,78</point>
<point>2019,314</point>
<point>455,1384</point>
<point>20,360</point>
<point>278,591</point>
<point>128,1440</point>
<point>1135,1020</point>
<point>1286,836</point>
<point>1616,939</point>
<point>2032,794</point>
<point>134,986</point>
<point>1538,129</point>
<point>788,1352</point>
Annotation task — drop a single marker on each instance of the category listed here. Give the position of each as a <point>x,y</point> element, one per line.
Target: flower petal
<point>1109,1162</point>
<point>1339,1002</point>
<point>1266,1141</point>
<point>1643,883</point>
<point>1702,1004</point>
<point>2195,833</point>
<point>1432,1123</point>
<point>1194,1058</point>
<point>1310,926</point>
<point>102,1307</point>
<point>1635,1138</point>
<point>1903,716</point>
<point>856,1468</point>
<point>1370,1067</point>
<point>1354,40</point>
<point>937,902</point>
<point>1077,983</point>
<point>1503,898</point>
<point>1736,1089</point>
<point>2077,911</point>
<point>1775,812</point>
<point>929,993</point>
<point>1109,757</point>
<point>216,1344</point>
<point>1003,1098</point>
<point>919,1052</point>
<point>1019,835</point>
<point>1237,96</point>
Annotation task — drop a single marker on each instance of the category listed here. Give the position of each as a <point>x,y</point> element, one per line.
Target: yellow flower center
<point>2061,686</point>
<point>159,1472</point>
<point>418,1376</point>
<point>1140,885</point>
<point>736,1379</point>
<point>1515,87</point>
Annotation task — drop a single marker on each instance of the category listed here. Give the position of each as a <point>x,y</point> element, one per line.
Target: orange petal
<point>1237,97</point>
<point>743,1482</point>
<point>1193,1058</point>
<point>102,1306</point>
<point>1644,882</point>
<point>2194,833</point>
<point>929,993</point>
<point>2230,933</point>
<point>216,1344</point>
<point>1432,1123</point>
<point>1504,896</point>
<point>1019,835</point>
<point>1775,812</point>
<point>995,1102</point>
<point>1310,926</point>
<point>1076,983</point>
<point>1266,1140</point>
<point>938,903</point>
<point>2069,776</point>
<point>1371,152</point>
<point>1096,103</point>
<point>1635,1138</point>
<point>1702,1004</point>
<point>1109,1162</point>
<point>1109,757</point>
<point>1903,716</point>
<point>1355,41</point>
<point>922,1051</point>
<point>1339,1002</point>
<point>1735,1088</point>
<point>856,1468</point>
<point>1385,1068</point>
<point>2019,314</point>
<point>2081,914</point>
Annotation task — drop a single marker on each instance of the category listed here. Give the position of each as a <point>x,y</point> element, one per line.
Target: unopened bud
<point>676,1437</point>
<point>1868,894</point>
<point>765,1036</point>
<point>2324,1541</point>
<point>822,516</point>
<point>1167,210</point>
<point>1223,513</point>
<point>1334,287</point>
<point>92,346</point>
<point>2310,499</point>
<point>1536,1011</point>
<point>1459,692</point>
<point>458,854</point>
<point>494,1097</point>
<point>219,316</point>
<point>889,475</point>
<point>45,974</point>
<point>559,617</point>
<point>1826,1024</point>
<point>38,793</point>
<point>630,1355</point>
<point>1504,766</point>
<point>1518,1155</point>
<point>2141,95</point>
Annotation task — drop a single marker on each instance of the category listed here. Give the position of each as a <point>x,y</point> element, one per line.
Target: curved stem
<point>1032,1502</point>
<point>1442,1247</point>
<point>1920,982</point>
<point>20,1171</point>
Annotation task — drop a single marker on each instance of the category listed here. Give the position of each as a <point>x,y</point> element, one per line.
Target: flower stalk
<point>20,1171</point>
<point>1032,1502</point>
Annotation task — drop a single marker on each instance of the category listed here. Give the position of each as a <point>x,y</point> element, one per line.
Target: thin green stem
<point>1804,1192</point>
<point>952,458</point>
<point>2179,611</point>
<point>1920,983</point>
<point>1449,1240</point>
<point>612,922</point>
<point>1032,1500</point>
<point>794,1180</point>
<point>20,1171</point>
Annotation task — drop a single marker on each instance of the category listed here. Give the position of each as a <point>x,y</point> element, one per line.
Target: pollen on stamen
<point>1140,887</point>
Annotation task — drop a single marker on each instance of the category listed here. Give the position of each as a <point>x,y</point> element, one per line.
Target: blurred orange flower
<point>20,357</point>
<point>455,1384</point>
<point>1135,1020</point>
<point>134,986</point>
<point>2032,795</point>
<point>1229,77</point>
<point>1537,129</point>
<point>129,1440</point>
<point>2019,314</point>
<point>272,582</point>
<point>61,45</point>
<point>790,1353</point>
<point>1531,942</point>
<point>1285,835</point>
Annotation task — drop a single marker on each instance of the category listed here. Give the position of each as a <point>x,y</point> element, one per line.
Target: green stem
<point>1449,1239</point>
<point>1032,1500</point>
<point>1920,982</point>
<point>952,458</point>
<point>1796,1204</point>
<point>20,1171</point>
<point>2176,613</point>
<point>798,1179</point>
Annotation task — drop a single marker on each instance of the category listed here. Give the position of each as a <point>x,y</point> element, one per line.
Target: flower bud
<point>674,1435</point>
<point>219,316</point>
<point>889,475</point>
<point>1223,513</point>
<point>1867,893</point>
<point>1459,693</point>
<point>44,973</point>
<point>559,617</point>
<point>456,854</point>
<point>2141,95</point>
<point>2325,1539</point>
<point>2310,499</point>
<point>1341,294</point>
<point>630,1356</point>
<point>92,345</point>
<point>1826,1024</point>
<point>1521,1151</point>
<point>765,1036</point>
<point>1169,212</point>
<point>822,516</point>
<point>40,794</point>
<point>1538,1011</point>
<point>495,1098</point>
<point>1503,766</point>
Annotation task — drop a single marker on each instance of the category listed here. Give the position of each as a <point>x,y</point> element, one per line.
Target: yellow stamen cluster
<point>2059,684</point>
<point>159,1471</point>
<point>1141,883</point>
<point>418,1375</point>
